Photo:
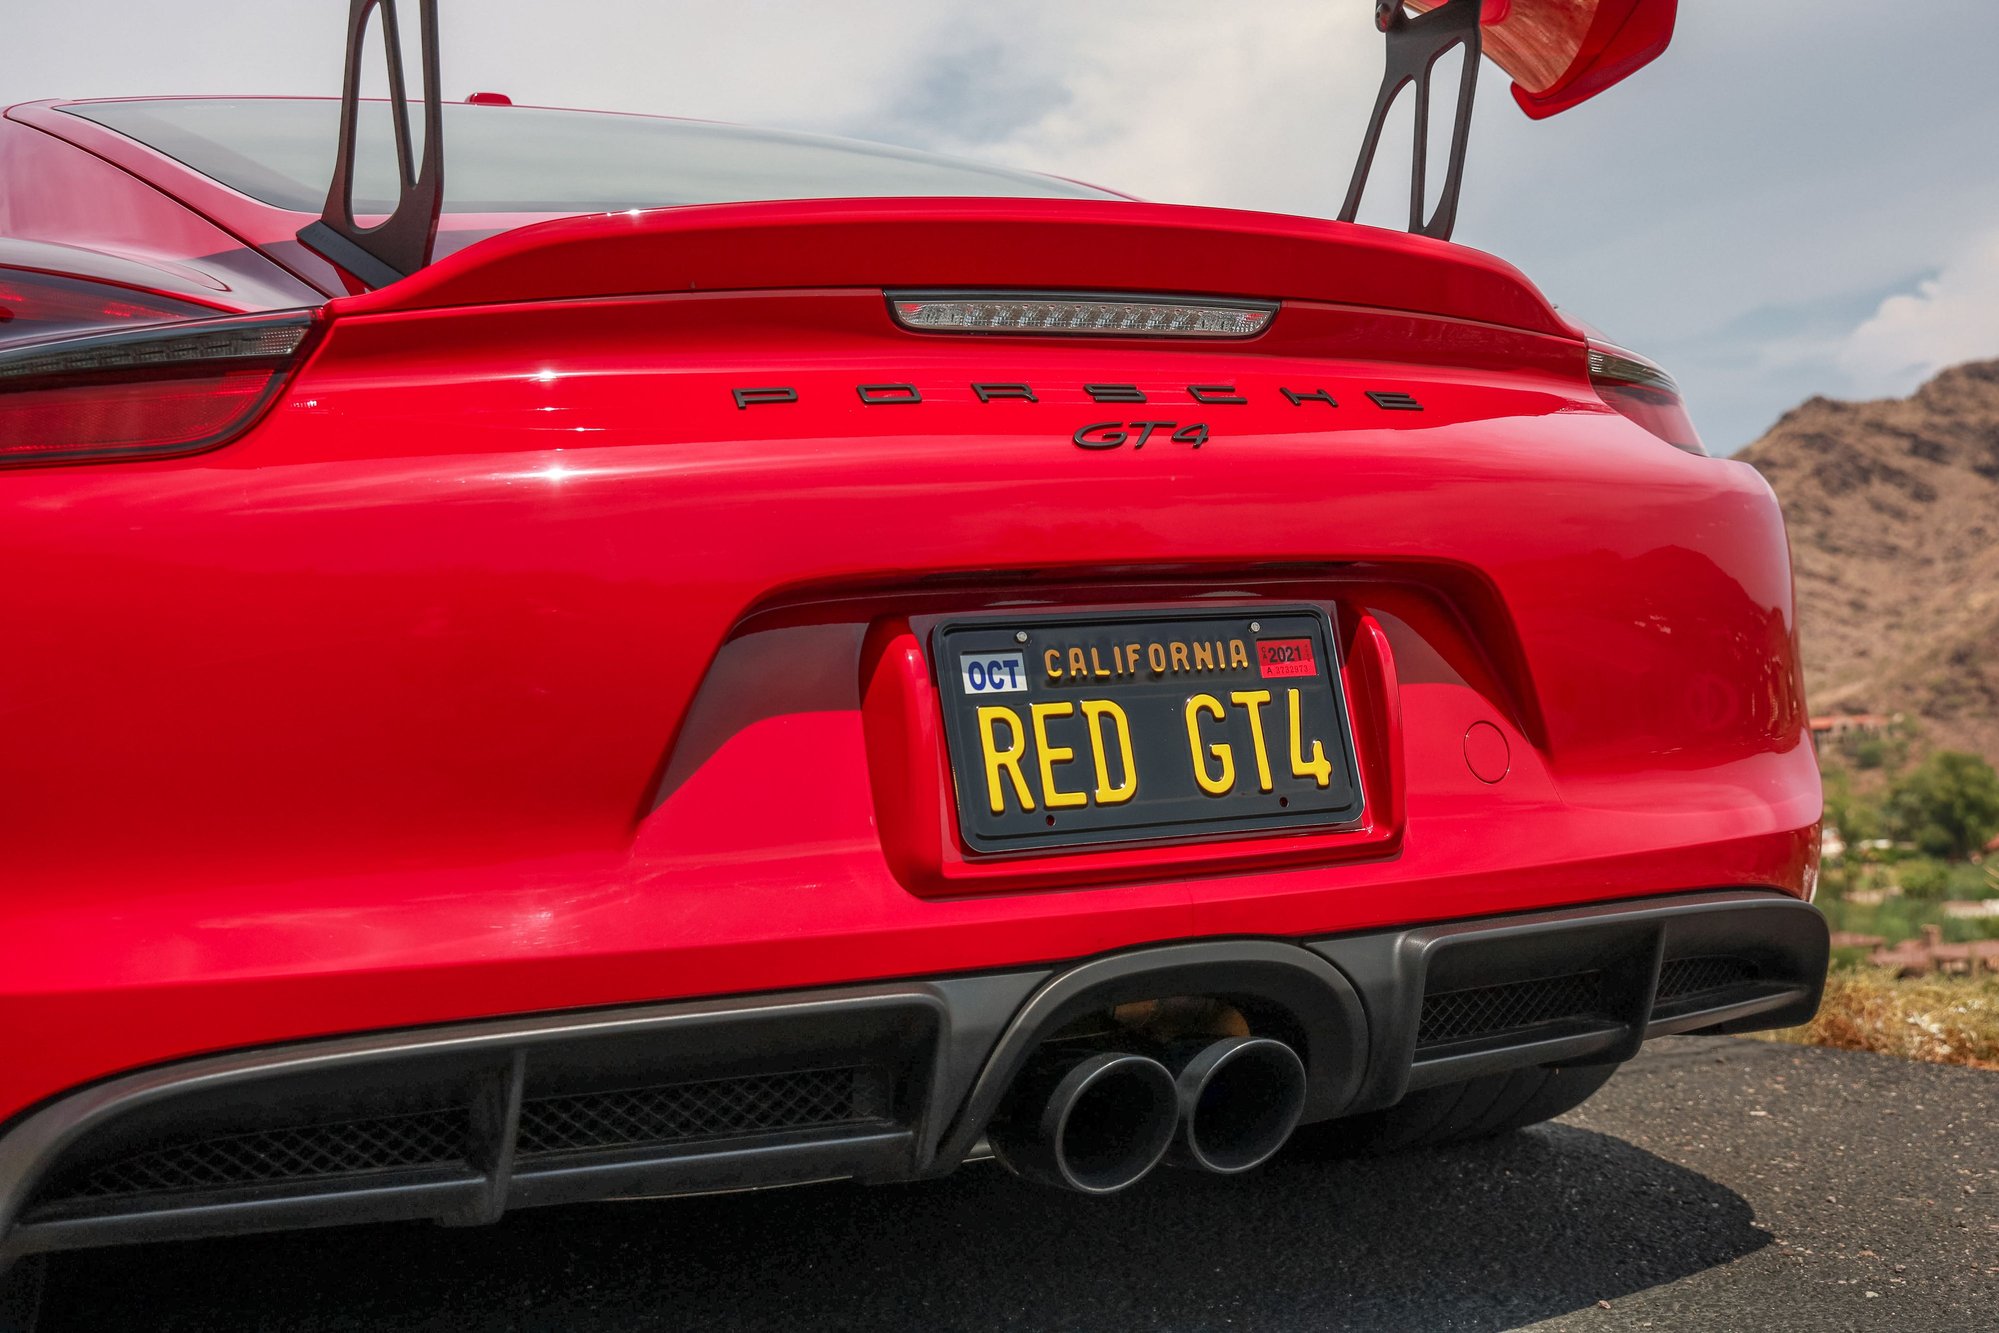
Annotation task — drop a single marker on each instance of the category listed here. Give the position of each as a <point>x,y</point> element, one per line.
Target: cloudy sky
<point>1799,198</point>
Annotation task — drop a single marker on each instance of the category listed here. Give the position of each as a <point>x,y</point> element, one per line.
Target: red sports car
<point>692,658</point>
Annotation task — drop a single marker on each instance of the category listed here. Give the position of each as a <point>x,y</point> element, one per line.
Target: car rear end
<point>757,692</point>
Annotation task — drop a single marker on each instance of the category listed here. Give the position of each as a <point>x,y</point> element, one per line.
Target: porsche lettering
<point>992,394</point>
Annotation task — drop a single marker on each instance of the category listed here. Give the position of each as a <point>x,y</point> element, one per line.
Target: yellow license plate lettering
<point>1098,712</point>
<point>1048,755</point>
<point>1219,783</point>
<point>1318,767</point>
<point>1005,759</point>
<point>1253,701</point>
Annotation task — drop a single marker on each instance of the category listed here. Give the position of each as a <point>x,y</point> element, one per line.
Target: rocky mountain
<point>1893,509</point>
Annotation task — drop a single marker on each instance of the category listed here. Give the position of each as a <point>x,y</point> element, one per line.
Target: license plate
<point>1108,728</point>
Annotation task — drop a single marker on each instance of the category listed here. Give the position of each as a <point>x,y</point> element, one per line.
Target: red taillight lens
<point>146,393</point>
<point>37,306</point>
<point>1644,393</point>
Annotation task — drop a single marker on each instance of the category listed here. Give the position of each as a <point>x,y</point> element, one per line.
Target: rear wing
<point>932,245</point>
<point>1559,53</point>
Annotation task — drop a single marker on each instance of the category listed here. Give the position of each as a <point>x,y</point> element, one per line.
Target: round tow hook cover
<point>1487,753</point>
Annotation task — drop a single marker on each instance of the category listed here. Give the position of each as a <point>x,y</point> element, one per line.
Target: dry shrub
<point>1946,1020</point>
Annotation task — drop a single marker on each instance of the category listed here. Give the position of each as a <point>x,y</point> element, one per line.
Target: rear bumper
<point>883,1082</point>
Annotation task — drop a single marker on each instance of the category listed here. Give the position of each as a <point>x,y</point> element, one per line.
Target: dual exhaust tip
<point>1097,1121</point>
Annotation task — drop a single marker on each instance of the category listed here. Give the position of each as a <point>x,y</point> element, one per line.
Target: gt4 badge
<point>1114,434</point>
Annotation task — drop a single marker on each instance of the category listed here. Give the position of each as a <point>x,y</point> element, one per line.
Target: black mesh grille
<point>304,1152</point>
<point>1696,976</point>
<point>678,1112</point>
<point>1484,1011</point>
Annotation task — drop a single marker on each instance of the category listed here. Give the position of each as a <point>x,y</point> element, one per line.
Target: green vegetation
<point>1894,895</point>
<point>1948,806</point>
<point>1872,750</point>
<point>1857,818</point>
<point>1907,841</point>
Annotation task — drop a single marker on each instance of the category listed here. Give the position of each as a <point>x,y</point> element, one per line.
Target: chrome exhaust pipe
<point>1240,1098</point>
<point>1093,1121</point>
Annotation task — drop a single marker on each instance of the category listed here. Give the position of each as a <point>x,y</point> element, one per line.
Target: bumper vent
<point>715,1108</point>
<point>1485,1011</point>
<point>294,1153</point>
<point>1683,977</point>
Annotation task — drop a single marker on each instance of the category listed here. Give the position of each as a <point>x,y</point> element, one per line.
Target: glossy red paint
<point>507,665</point>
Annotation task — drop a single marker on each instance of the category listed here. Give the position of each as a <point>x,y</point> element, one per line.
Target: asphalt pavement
<point>1715,1184</point>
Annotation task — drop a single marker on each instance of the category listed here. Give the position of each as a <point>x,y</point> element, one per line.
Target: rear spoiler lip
<point>1043,244</point>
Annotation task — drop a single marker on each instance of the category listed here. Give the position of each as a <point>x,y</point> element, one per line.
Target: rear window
<point>526,160</point>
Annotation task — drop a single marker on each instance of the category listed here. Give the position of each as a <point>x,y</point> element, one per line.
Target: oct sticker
<point>993,673</point>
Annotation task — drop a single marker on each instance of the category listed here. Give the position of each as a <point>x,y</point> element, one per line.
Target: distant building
<point>1836,726</point>
<point>1920,958</point>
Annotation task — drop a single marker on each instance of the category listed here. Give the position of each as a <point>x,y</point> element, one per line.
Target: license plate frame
<point>1171,803</point>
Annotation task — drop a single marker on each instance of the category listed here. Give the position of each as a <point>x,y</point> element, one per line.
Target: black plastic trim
<point>811,1155</point>
<point>1351,1006</point>
<point>403,1201</point>
<point>939,1031</point>
<point>401,243</point>
<point>1630,941</point>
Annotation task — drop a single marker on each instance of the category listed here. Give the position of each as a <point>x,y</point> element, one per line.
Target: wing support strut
<point>401,243</point>
<point>1415,45</point>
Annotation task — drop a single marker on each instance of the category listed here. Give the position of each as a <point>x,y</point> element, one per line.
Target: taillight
<point>143,393</point>
<point>1645,394</point>
<point>38,306</point>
